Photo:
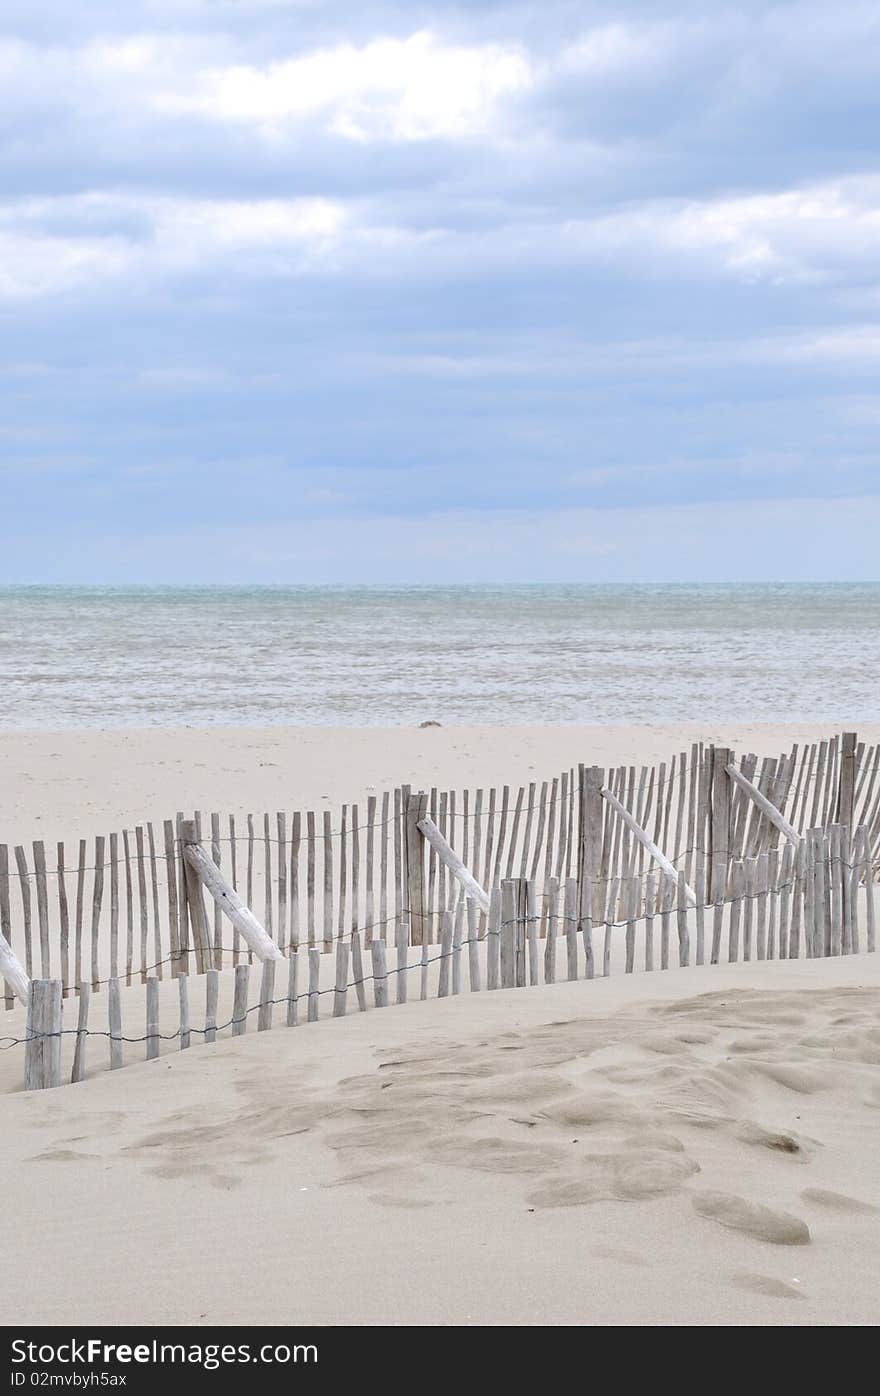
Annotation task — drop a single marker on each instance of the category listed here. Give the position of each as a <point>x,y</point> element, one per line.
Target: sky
<point>303,292</point>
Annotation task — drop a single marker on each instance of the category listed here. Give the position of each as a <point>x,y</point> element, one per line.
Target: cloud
<point>296,261</point>
<point>400,89</point>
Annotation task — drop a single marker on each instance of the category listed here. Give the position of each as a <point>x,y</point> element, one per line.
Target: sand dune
<point>694,1147</point>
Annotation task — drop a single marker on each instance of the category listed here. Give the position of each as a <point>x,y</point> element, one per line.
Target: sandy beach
<point>695,1146</point>
<point>77,784</point>
<point>699,1147</point>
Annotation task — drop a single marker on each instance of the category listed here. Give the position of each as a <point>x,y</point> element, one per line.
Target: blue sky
<point>376,292</point>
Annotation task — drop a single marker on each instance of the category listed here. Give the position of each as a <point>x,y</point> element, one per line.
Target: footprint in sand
<point>617,1177</point>
<point>60,1156</point>
<point>837,1201</point>
<point>751,1133</point>
<point>623,1257</point>
<point>764,1224</point>
<point>766,1284</point>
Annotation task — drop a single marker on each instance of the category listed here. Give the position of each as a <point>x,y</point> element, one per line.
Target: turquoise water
<point>399,655</point>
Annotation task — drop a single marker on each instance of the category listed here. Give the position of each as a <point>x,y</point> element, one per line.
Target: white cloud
<point>404,89</point>
<point>48,245</point>
<point>801,236</point>
<point>798,234</point>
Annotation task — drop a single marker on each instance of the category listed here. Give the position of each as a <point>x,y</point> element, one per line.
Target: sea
<point>401,655</point>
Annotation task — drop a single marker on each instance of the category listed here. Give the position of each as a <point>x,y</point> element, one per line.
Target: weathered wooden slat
<point>64,920</point>
<point>457,937</point>
<point>228,900</point>
<point>154,888</point>
<point>217,859</point>
<point>380,973</point>
<point>416,812</point>
<point>249,875</point>
<point>846,781</point>
<point>152,989</point>
<point>114,1023</point>
<point>42,906</point>
<point>527,835</point>
<point>129,908</point>
<point>281,825</point>
<point>383,858</point>
<point>212,995</point>
<point>267,995</point>
<point>650,847</point>
<point>493,940</point>
<point>737,887</point>
<point>650,902</point>
<point>355,873</point>
<point>25,890</point>
<point>6,921</point>
<point>608,917</point>
<point>268,916</point>
<point>667,904</point>
<point>570,918</point>
<point>431,885</point>
<point>450,858</point>
<point>240,1000</point>
<point>514,833</point>
<point>314,983</point>
<point>551,903</point>
<point>82,1031</point>
<point>357,970</point>
<point>97,898</point>
<point>763,804</point>
<point>42,1053</point>
<point>401,940</point>
<point>750,877</point>
<point>293,987</point>
<point>233,874</point>
<point>142,899</point>
<point>631,895</point>
<point>868,874</point>
<point>295,843</point>
<point>327,905</point>
<point>473,928</point>
<point>681,906</point>
<point>340,991</point>
<point>719,846</point>
<point>182,900</point>
<point>446,931</point>
<point>183,999</point>
<point>18,982</point>
<point>171,889</point>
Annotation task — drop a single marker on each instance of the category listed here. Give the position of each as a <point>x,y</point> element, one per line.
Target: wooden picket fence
<point>777,855</point>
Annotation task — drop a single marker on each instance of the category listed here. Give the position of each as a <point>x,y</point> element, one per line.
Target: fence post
<point>198,917</point>
<point>514,913</point>
<point>380,974</point>
<point>114,1017</point>
<point>591,898</point>
<point>340,991</point>
<point>447,928</point>
<point>152,1017</point>
<point>846,781</point>
<point>240,1000</point>
<point>508,933</point>
<point>267,995</point>
<point>42,1053</point>
<point>416,810</point>
<point>493,940</point>
<point>82,1029</point>
<point>719,827</point>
